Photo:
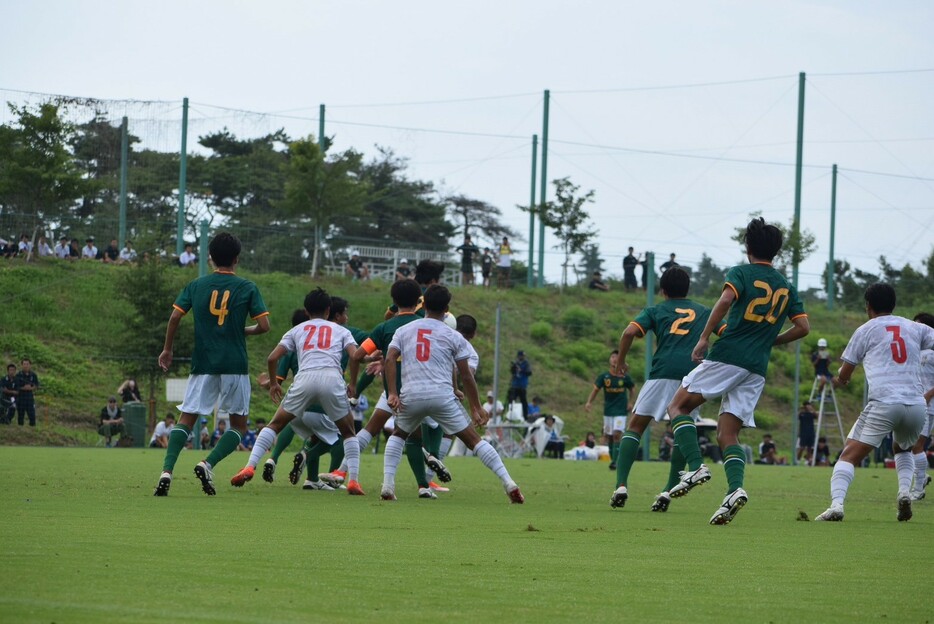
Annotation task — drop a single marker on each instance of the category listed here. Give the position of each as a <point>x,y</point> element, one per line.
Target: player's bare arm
<point>800,327</point>
<point>593,395</point>
<point>351,388</point>
<point>390,373</point>
<point>631,332</point>
<point>480,416</point>
<point>717,314</point>
<point>261,327</point>
<point>165,358</point>
<point>272,362</point>
<point>843,376</point>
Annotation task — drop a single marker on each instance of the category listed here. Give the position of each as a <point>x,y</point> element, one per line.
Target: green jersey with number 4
<point>677,324</point>
<point>764,299</point>
<point>221,303</point>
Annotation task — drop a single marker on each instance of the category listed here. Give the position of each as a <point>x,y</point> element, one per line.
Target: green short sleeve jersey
<point>677,323</point>
<point>380,338</point>
<point>359,335</point>
<point>221,303</point>
<point>764,299</point>
<point>287,363</point>
<point>615,393</point>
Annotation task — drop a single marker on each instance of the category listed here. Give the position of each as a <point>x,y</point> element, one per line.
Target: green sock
<point>614,449</point>
<point>337,455</point>
<point>313,458</point>
<point>176,444</point>
<point>413,452</point>
<point>432,439</point>
<point>628,449</point>
<point>734,464</point>
<point>225,446</point>
<point>676,465</point>
<point>282,442</point>
<point>686,437</point>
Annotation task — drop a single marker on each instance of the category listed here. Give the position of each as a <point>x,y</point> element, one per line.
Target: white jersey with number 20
<point>428,349</point>
<point>319,344</point>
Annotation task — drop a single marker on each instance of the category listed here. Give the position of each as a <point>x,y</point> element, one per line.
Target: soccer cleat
<point>690,480</point>
<point>298,466</point>
<point>354,489</point>
<point>165,482</point>
<point>388,493</point>
<point>661,502</point>
<point>334,479</point>
<point>619,497</point>
<point>730,506</point>
<point>916,496</point>
<point>834,513</point>
<point>269,471</point>
<point>426,493</point>
<point>206,476</point>
<point>515,496</point>
<point>317,485</point>
<point>239,479</point>
<point>439,469</point>
<point>904,507</point>
<point>612,465</point>
<point>438,488</point>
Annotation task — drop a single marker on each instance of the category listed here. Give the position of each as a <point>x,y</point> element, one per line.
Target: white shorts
<point>654,398</point>
<point>431,422</point>
<point>324,387</point>
<point>383,403</point>
<point>906,423</point>
<point>229,393</point>
<point>448,412</point>
<point>316,424</point>
<point>614,423</point>
<point>739,388</point>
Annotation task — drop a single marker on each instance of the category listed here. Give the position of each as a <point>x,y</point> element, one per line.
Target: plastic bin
<point>134,417</point>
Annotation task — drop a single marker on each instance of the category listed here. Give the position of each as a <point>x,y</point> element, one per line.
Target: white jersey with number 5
<point>319,344</point>
<point>429,349</point>
<point>889,347</point>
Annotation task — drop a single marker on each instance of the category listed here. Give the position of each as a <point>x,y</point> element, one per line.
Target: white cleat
<point>427,493</point>
<point>834,513</point>
<point>730,506</point>
<point>206,476</point>
<point>269,471</point>
<point>619,497</point>
<point>689,481</point>
<point>317,485</point>
<point>165,482</point>
<point>388,493</point>
<point>512,491</point>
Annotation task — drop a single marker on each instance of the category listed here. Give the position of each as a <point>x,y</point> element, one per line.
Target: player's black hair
<point>467,325</point>
<point>437,298</point>
<point>317,302</point>
<point>676,282</point>
<point>224,249</point>
<point>614,352</point>
<point>428,272</point>
<point>880,297</point>
<point>339,305</point>
<point>405,293</point>
<point>170,415</point>
<point>25,359</point>
<point>11,365</point>
<point>925,318</point>
<point>299,316</point>
<point>762,240</point>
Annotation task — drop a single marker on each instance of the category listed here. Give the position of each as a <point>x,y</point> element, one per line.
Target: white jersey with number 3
<point>889,347</point>
<point>428,349</point>
<point>319,344</point>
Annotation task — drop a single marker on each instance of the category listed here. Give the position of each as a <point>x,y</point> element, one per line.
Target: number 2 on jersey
<point>688,317</point>
<point>222,311</point>
<point>778,301</point>
<point>422,345</point>
<point>323,337</point>
<point>899,349</point>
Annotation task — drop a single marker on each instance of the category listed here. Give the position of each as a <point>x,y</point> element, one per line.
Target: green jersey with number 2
<point>677,324</point>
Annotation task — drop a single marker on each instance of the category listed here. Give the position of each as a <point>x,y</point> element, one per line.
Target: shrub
<point>540,331</point>
<point>578,321</point>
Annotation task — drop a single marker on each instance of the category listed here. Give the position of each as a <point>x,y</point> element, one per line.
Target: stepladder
<point>828,410</point>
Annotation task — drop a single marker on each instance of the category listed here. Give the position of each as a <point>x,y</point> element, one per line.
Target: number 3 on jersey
<point>422,345</point>
<point>899,349</point>
<point>323,337</point>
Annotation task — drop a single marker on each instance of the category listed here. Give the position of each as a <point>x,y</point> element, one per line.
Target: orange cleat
<point>354,489</point>
<point>242,477</point>
<point>438,488</point>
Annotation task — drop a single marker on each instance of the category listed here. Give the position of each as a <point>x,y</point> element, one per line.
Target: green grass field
<point>85,541</point>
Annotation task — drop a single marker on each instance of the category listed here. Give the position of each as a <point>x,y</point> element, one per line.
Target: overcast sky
<point>680,116</point>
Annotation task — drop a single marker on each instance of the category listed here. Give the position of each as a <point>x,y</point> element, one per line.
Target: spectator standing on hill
<point>630,262</point>
<point>403,271</point>
<point>467,250</point>
<point>8,394</point>
<point>160,437</point>
<point>806,432</point>
<point>667,265</point>
<point>127,254</point>
<point>486,266</point>
<point>597,283</point>
<point>62,250</point>
<point>504,264</point>
<point>74,250</point>
<point>89,251</point>
<point>111,421</point>
<point>26,384</point>
<point>188,257</point>
<point>521,370</point>
<point>111,252</point>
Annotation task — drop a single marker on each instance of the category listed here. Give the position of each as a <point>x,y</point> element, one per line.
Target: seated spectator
<point>205,434</point>
<point>768,452</point>
<point>42,248</point>
<point>246,444</point>
<point>535,408</point>
<point>160,437</point>
<point>111,421</point>
<point>221,429</point>
<point>111,252</point>
<point>25,245</point>
<point>590,441</point>
<point>488,406</point>
<point>822,452</point>
<point>62,250</point>
<point>709,449</point>
<point>89,251</point>
<point>129,392</point>
<point>403,271</point>
<point>666,445</point>
<point>597,283</point>
<point>555,444</point>
<point>74,250</point>
<point>357,268</point>
<point>188,257</point>
<point>127,254</point>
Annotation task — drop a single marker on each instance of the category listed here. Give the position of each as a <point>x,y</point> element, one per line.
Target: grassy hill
<point>72,320</point>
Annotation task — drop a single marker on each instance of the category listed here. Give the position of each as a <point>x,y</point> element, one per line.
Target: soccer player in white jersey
<point>889,347</point>
<point>430,350</point>
<point>918,454</point>
<point>319,344</point>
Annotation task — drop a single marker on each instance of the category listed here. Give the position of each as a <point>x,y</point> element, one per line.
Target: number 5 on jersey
<point>423,345</point>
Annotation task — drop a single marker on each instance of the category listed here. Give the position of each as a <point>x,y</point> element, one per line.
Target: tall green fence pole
<point>544,193</point>
<point>530,273</point>
<point>649,342</point>
<point>203,248</point>
<point>796,256</point>
<point>124,156</point>
<point>831,266</point>
<point>182,182</point>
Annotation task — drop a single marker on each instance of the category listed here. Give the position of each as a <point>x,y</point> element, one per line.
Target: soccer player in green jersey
<point>616,392</point>
<point>221,303</point>
<point>758,299</point>
<point>677,324</point>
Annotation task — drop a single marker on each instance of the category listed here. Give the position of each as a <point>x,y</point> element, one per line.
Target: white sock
<point>843,472</point>
<point>445,447</point>
<point>264,441</point>
<point>352,457</point>
<point>905,467</point>
<point>921,470</point>
<point>391,458</point>
<point>363,440</point>
<point>491,460</point>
